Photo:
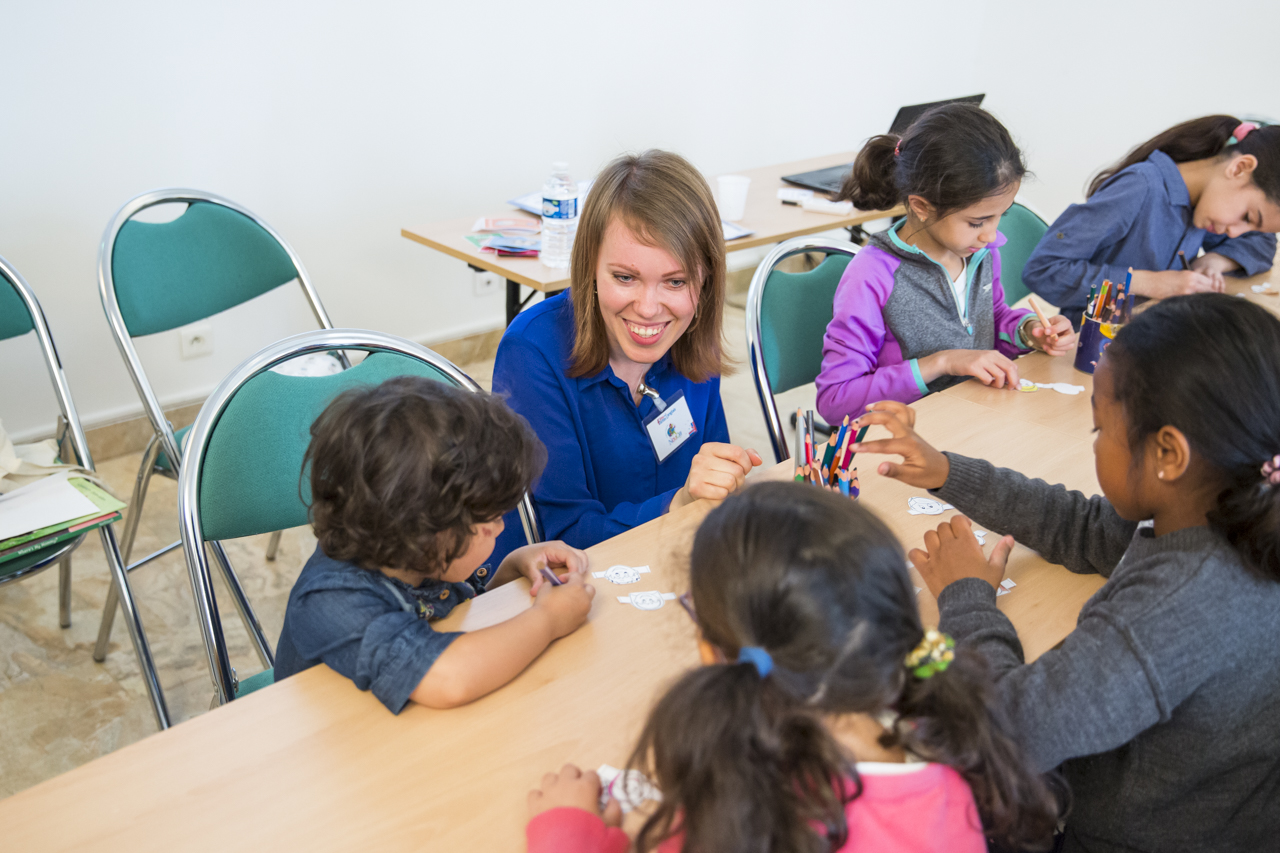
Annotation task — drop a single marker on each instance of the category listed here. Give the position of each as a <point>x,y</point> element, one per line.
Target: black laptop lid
<point>907,115</point>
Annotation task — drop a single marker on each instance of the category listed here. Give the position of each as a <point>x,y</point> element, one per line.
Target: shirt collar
<point>1174,184</point>
<point>655,373</point>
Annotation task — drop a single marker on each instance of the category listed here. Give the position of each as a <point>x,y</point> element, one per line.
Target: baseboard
<point>131,434</point>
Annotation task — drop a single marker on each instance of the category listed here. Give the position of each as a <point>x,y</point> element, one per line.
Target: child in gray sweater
<point>1162,707</point>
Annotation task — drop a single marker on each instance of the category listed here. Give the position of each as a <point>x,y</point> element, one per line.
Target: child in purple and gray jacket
<point>921,307</point>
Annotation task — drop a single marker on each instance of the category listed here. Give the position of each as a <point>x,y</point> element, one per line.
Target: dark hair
<point>1201,138</point>
<point>1209,365</point>
<point>747,763</point>
<point>400,472</point>
<point>953,156</point>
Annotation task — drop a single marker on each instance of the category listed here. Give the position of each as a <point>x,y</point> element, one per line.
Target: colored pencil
<point>1182,256</point>
<point>550,576</point>
<point>844,483</point>
<point>828,456</point>
<point>1050,334</point>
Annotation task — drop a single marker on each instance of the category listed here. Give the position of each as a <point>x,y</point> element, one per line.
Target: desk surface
<point>312,763</point>
<point>771,220</point>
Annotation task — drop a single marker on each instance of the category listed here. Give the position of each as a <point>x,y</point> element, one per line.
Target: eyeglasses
<point>708,653</point>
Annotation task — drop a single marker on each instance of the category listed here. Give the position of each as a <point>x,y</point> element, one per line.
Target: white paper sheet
<point>42,504</point>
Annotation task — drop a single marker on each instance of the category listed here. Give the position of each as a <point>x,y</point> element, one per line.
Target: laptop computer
<point>830,179</point>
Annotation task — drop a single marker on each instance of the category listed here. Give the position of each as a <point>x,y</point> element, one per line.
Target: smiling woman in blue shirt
<point>1212,183</point>
<point>620,376</point>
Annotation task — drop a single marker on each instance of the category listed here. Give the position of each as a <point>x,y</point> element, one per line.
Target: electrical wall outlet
<point>485,283</point>
<point>196,340</point>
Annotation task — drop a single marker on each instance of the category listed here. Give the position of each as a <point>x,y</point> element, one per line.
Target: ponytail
<point>953,156</point>
<point>1209,365</point>
<point>742,766</point>
<point>952,718</point>
<point>872,184</point>
<point>1202,138</point>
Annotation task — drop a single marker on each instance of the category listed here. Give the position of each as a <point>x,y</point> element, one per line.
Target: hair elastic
<point>933,654</point>
<point>1242,130</point>
<point>897,148</point>
<point>1271,470</point>
<point>758,658</point>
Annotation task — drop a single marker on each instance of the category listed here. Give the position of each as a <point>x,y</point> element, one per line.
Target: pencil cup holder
<point>1094,338</point>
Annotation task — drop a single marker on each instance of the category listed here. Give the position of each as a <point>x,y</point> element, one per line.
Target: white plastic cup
<point>733,196</point>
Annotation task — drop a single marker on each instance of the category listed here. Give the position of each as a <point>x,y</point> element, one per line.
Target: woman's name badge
<point>670,425</point>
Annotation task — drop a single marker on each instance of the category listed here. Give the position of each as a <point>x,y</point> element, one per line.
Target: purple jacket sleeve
<point>861,360</point>
<point>1007,319</point>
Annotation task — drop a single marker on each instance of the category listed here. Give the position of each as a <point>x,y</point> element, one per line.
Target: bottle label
<point>560,208</point>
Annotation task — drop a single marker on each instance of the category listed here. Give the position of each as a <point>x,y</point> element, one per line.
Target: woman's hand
<point>574,789</point>
<point>1162,285</point>
<point>921,466</point>
<point>986,365</point>
<point>717,471</point>
<point>952,553</point>
<point>530,560</point>
<point>1043,341</point>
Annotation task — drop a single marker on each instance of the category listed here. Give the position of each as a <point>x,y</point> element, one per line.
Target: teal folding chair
<point>240,475</point>
<point>1022,227</point>
<point>154,277</point>
<point>21,313</point>
<point>787,315</point>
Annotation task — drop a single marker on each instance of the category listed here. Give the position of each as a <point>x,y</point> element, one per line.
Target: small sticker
<point>622,574</point>
<point>648,600</point>
<point>1005,586</point>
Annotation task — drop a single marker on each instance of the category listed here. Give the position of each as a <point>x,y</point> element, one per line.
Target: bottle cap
<point>559,166</point>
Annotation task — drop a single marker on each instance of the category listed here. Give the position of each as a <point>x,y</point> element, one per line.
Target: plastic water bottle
<point>559,216</point>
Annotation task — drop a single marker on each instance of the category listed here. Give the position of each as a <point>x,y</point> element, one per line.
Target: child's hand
<point>717,470</point>
<point>1162,285</point>
<point>921,465</point>
<point>986,365</point>
<point>1059,325</point>
<point>567,605</point>
<point>574,789</point>
<point>1212,263</point>
<point>952,553</point>
<point>529,561</point>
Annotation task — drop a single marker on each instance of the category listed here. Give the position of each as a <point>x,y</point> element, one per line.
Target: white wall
<point>341,123</point>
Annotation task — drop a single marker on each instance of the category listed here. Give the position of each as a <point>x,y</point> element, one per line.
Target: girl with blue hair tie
<point>828,717</point>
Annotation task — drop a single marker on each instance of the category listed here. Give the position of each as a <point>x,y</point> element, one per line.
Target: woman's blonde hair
<point>664,201</point>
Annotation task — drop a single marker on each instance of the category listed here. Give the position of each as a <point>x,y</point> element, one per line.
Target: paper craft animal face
<point>647,600</point>
<point>924,506</point>
<point>622,575</point>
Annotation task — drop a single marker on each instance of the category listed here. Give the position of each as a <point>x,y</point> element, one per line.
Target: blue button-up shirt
<point>369,627</point>
<point>602,477</point>
<point>1141,218</point>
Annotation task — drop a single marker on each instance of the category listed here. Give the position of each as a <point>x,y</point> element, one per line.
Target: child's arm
<point>1248,254</point>
<point>529,560</point>
<point>1060,268</point>
<point>851,375</point>
<point>565,816</point>
<point>1083,534</point>
<point>481,661</point>
<point>1010,324</point>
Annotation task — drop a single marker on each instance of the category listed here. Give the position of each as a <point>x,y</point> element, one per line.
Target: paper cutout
<point>630,789</point>
<point>622,574</point>
<point>926,506</point>
<point>1061,387</point>
<point>1005,586</point>
<point>917,589</point>
<point>1264,289</point>
<point>982,536</point>
<point>648,600</point>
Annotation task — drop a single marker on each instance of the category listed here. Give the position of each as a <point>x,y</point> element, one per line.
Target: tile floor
<point>59,709</point>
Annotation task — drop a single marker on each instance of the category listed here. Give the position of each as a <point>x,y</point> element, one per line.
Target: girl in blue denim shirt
<point>1211,183</point>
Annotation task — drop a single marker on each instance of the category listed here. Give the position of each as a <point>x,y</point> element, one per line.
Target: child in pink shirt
<point>830,718</point>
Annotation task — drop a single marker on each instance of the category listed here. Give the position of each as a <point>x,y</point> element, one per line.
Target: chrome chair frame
<point>755,297</point>
<point>189,520</point>
<point>162,438</point>
<point>74,435</point>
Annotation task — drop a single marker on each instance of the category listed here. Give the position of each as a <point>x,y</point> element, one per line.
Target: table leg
<point>514,303</point>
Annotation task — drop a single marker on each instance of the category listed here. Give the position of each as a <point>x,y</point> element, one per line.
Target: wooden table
<point>1270,278</point>
<point>770,219</point>
<point>313,764</point>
